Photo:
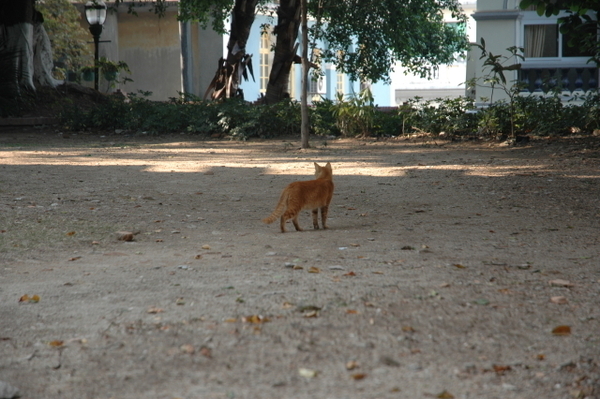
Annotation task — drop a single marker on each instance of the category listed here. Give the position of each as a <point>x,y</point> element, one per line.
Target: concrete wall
<point>152,49</point>
<point>498,22</point>
<point>164,56</point>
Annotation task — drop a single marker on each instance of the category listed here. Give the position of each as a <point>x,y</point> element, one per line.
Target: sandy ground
<point>450,270</point>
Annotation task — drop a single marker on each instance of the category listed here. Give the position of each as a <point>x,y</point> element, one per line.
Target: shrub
<point>353,117</point>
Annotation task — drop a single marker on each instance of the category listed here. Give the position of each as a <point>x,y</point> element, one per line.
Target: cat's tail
<point>279,209</point>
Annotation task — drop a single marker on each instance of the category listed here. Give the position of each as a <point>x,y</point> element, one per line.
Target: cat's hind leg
<point>295,221</point>
<point>282,224</point>
<point>315,216</point>
<point>324,211</point>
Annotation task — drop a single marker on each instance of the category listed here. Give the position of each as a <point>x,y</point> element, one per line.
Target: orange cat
<point>312,194</point>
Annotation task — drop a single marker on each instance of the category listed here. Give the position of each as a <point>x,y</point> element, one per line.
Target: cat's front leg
<point>315,216</point>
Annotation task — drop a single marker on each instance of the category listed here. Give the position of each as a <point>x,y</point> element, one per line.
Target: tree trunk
<point>229,73</point>
<point>25,50</point>
<point>16,50</point>
<point>305,125</point>
<point>288,23</point>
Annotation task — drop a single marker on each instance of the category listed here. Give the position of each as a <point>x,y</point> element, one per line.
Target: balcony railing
<point>566,80</point>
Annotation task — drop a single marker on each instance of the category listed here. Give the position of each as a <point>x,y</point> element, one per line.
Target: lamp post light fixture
<point>95,14</point>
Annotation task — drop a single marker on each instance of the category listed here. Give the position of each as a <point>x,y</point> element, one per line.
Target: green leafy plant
<point>111,70</point>
<point>354,116</point>
<point>496,66</point>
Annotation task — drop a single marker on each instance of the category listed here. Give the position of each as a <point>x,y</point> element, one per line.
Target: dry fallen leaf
<point>255,319</point>
<point>30,299</point>
<point>287,305</point>
<point>359,376</point>
<point>206,247</point>
<point>313,269</point>
<point>56,344</point>
<point>187,348</point>
<point>457,265</point>
<point>560,283</point>
<point>71,233</point>
<point>206,352</point>
<point>312,313</point>
<point>445,395</point>
<point>562,330</point>
<point>349,274</point>
<point>124,235</point>
<point>500,370</point>
<point>74,258</point>
<point>352,311</point>
<point>198,257</point>
<point>155,310</point>
<point>558,300</point>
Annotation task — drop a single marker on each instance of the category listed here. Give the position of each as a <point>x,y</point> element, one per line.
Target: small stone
<point>7,391</point>
<point>336,267</point>
<point>509,387</point>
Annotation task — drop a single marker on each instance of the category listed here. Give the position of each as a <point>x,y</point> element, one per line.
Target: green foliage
<point>68,38</point>
<point>449,115</point>
<point>365,39</point>
<point>111,70</point>
<point>354,116</point>
<point>234,117</point>
<point>322,121</point>
<point>494,66</point>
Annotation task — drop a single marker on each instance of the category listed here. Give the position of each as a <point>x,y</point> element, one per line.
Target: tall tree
<point>234,66</point>
<point>16,45</point>
<point>366,38</point>
<point>580,22</point>
<point>286,46</point>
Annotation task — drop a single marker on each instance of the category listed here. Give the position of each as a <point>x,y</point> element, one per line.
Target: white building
<point>549,63</point>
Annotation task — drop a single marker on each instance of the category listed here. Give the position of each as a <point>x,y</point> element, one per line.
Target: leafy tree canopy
<point>366,38</point>
<point>69,39</point>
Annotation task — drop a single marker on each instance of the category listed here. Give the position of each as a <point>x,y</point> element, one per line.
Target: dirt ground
<point>450,270</point>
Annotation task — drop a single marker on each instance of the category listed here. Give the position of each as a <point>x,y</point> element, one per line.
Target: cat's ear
<point>328,165</point>
<point>317,167</point>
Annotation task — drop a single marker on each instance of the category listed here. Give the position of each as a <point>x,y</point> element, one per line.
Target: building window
<point>546,41</point>
<point>340,83</point>
<point>265,59</point>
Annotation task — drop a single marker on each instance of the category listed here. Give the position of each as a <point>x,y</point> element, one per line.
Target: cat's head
<point>323,171</point>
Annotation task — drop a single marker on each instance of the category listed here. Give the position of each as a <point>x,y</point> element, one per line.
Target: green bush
<point>322,121</point>
<point>353,117</point>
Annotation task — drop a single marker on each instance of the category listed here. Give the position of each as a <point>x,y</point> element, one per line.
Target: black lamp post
<point>95,14</point>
